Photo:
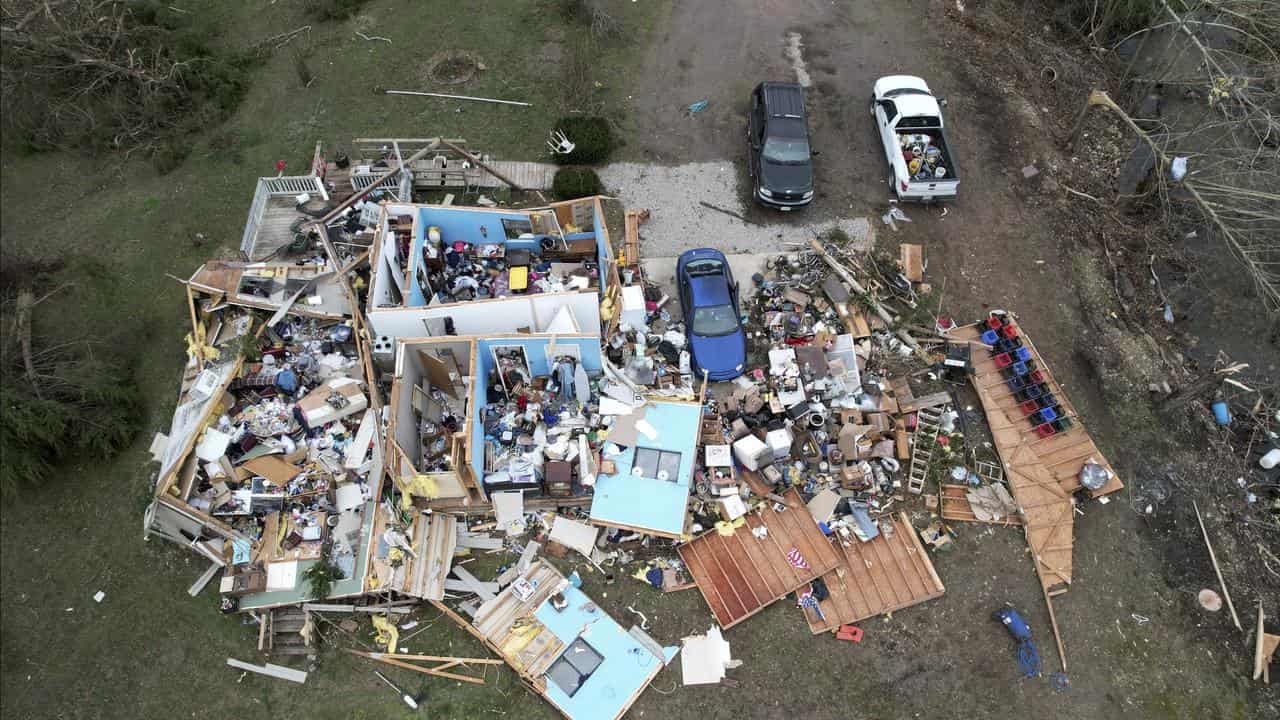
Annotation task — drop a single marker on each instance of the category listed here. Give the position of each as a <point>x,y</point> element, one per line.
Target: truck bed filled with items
<point>924,150</point>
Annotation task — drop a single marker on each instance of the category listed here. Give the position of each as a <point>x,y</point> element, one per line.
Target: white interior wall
<point>491,317</point>
<point>585,307</point>
<point>380,293</point>
<point>406,424</point>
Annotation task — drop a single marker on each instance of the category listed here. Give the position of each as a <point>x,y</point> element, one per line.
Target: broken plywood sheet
<point>742,573</point>
<point>880,576</point>
<point>575,535</point>
<point>495,618</point>
<point>911,256</point>
<point>704,658</point>
<point>434,540</point>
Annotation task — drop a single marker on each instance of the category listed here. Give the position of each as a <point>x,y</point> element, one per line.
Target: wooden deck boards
<point>275,227</point>
<point>877,577</point>
<point>740,574</point>
<point>1042,473</point>
<point>528,175</point>
<point>1063,454</point>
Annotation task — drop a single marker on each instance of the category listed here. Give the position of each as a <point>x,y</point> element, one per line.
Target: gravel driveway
<point>678,221</point>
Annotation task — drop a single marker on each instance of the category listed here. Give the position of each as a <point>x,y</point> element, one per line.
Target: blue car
<point>709,301</point>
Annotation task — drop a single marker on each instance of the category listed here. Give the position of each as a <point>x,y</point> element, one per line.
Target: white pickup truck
<point>915,146</point>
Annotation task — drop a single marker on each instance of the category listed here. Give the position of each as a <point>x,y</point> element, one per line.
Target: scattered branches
<point>105,73</point>
<point>1228,53</point>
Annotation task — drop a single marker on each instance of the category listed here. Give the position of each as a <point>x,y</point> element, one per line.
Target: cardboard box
<point>732,507</point>
<point>317,410</point>
<point>848,440</point>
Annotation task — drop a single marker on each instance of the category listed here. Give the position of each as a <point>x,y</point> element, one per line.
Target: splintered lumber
<point>1264,648</point>
<point>462,586</point>
<point>437,671</point>
<point>1216,570</point>
<point>875,304</point>
<point>443,658</point>
<point>473,584</point>
<point>276,671</point>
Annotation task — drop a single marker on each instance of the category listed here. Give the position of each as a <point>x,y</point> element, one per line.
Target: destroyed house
<point>565,647</point>
<point>444,270</point>
<point>272,464</point>
<point>532,414</point>
<point>472,416</point>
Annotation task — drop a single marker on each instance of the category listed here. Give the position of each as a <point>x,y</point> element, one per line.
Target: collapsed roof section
<point>565,647</point>
<point>308,289</point>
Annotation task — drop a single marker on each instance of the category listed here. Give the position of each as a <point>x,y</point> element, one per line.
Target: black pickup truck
<point>778,154</point>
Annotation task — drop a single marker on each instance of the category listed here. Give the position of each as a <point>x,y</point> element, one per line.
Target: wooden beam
<point>444,658</point>
<point>276,671</point>
<point>204,579</point>
<point>379,657</point>
<point>357,197</point>
<point>1217,571</point>
<point>458,149</point>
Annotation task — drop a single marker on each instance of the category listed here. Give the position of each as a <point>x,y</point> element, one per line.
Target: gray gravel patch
<point>678,222</point>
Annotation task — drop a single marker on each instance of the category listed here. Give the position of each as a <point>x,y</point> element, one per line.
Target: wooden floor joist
<point>880,576</point>
<point>740,574</point>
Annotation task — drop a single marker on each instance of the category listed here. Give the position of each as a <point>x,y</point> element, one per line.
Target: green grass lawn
<point>149,650</point>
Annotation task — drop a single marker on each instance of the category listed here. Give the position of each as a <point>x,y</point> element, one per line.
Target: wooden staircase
<point>284,632</point>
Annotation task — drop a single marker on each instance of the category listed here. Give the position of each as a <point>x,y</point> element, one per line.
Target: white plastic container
<point>1271,459</point>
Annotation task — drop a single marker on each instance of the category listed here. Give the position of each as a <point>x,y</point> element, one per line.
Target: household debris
<point>705,658</point>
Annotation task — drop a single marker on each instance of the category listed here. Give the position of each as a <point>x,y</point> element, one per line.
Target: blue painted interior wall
<point>604,253</point>
<point>465,225</point>
<point>649,503</point>
<point>535,351</point>
<point>625,670</point>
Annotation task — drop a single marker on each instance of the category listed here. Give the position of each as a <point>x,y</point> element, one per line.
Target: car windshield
<point>714,320</point>
<point>786,152</point>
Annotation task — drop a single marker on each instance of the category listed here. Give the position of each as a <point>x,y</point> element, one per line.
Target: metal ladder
<point>928,423</point>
